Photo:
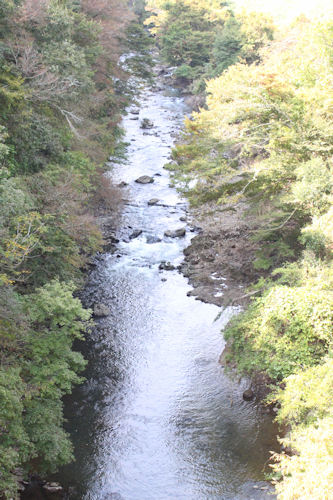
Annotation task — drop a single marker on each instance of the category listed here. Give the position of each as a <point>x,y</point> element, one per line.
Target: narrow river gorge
<point>157,418</point>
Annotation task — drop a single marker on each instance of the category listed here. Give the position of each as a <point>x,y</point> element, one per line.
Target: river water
<point>157,419</point>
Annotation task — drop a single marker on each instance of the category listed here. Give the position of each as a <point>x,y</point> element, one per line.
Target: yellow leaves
<point>22,239</point>
<point>191,126</point>
<point>255,103</point>
<point>309,474</point>
<point>320,232</point>
<point>212,12</point>
<point>4,280</point>
<point>11,89</point>
<point>274,83</point>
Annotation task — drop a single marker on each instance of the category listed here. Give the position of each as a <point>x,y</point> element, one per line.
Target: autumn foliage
<point>261,146</point>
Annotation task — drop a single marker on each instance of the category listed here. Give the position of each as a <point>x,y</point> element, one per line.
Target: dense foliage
<point>62,92</point>
<point>264,140</point>
<point>202,38</point>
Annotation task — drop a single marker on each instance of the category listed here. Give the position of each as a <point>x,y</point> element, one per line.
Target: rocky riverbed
<point>218,261</point>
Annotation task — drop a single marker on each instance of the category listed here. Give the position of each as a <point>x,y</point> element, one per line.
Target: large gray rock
<point>145,179</point>
<point>177,233</point>
<point>146,123</point>
<point>101,310</point>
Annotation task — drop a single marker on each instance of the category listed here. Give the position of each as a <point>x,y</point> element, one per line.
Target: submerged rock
<point>122,184</point>
<point>153,239</point>
<point>177,233</point>
<point>145,179</point>
<point>248,395</point>
<point>101,310</point>
<point>115,496</point>
<point>53,488</point>
<point>153,201</point>
<point>135,234</point>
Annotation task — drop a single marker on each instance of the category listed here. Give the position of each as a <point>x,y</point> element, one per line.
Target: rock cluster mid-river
<point>157,418</point>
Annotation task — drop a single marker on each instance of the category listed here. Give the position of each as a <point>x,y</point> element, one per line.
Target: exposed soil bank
<point>219,260</point>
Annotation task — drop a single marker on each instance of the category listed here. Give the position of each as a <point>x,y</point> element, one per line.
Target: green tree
<point>227,46</point>
<point>38,366</point>
<point>186,39</point>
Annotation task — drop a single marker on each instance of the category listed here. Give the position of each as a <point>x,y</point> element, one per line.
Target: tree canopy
<point>59,112</point>
<point>264,139</point>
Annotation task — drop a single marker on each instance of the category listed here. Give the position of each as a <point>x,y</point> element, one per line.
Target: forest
<point>260,138</point>
<point>62,93</point>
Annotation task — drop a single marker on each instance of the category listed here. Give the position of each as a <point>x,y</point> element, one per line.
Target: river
<point>157,418</point>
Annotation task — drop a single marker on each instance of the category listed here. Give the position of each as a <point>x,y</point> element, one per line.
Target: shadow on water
<point>156,417</point>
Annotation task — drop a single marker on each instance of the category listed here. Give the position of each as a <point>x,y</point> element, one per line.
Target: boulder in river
<point>101,310</point>
<point>146,123</point>
<point>144,179</point>
<point>177,233</point>
<point>135,234</point>
<point>53,489</point>
<point>166,266</point>
<point>153,239</point>
<point>248,395</point>
<point>153,201</point>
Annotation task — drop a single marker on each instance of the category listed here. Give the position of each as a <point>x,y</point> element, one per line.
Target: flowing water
<point>157,418</point>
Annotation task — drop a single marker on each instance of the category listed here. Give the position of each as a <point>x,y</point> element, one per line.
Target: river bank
<point>218,262</point>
